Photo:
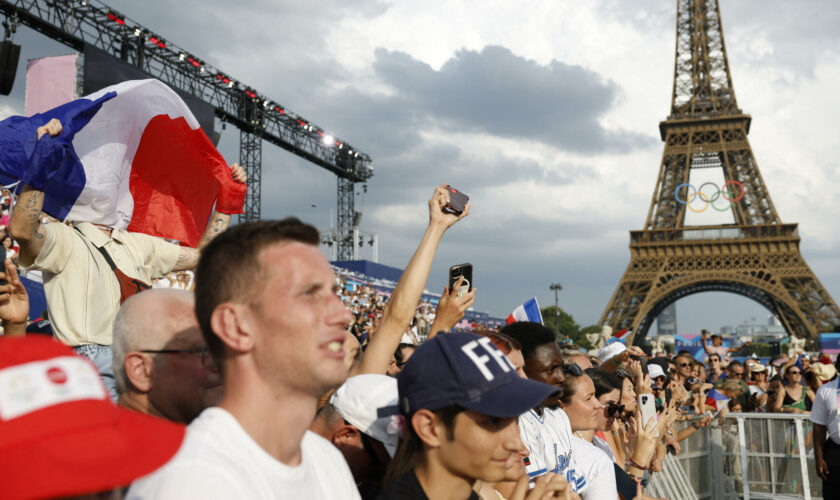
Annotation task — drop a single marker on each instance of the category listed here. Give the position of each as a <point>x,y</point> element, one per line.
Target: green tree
<point>568,327</point>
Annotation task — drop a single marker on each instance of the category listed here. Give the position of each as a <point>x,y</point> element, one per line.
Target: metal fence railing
<point>750,456</point>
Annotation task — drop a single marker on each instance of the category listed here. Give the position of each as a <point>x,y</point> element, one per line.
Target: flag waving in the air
<point>129,156</point>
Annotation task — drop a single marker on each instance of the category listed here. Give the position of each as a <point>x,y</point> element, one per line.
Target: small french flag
<point>716,400</point>
<point>529,311</point>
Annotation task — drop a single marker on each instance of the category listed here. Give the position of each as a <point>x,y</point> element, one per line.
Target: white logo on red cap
<point>29,387</point>
<point>56,375</point>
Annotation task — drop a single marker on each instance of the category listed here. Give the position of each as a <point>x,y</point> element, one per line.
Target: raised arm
<point>703,334</point>
<point>741,348</point>
<point>25,224</point>
<point>188,258</point>
<point>403,302</point>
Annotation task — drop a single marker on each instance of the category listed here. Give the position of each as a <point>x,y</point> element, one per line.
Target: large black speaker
<point>775,348</point>
<point>9,56</point>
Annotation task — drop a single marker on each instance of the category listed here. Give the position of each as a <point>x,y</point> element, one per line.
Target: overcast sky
<point>545,113</point>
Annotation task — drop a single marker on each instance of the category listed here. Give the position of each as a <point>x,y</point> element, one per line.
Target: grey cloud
<point>499,93</point>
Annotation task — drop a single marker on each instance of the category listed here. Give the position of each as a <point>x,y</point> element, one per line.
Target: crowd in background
<point>259,361</point>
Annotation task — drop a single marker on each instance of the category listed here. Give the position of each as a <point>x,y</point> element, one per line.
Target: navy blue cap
<point>467,370</point>
<point>42,326</point>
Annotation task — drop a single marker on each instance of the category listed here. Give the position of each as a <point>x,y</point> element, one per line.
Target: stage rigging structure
<point>79,22</point>
<point>758,256</point>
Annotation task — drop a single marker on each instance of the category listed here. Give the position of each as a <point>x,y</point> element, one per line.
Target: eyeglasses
<point>198,350</point>
<point>573,369</point>
<point>737,374</point>
<point>795,373</point>
<point>683,365</point>
<point>613,409</point>
<point>715,360</point>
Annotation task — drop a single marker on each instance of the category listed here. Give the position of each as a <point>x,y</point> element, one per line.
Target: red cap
<point>60,435</point>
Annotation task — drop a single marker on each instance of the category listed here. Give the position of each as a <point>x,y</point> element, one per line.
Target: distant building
<point>770,332</point>
<point>666,322</point>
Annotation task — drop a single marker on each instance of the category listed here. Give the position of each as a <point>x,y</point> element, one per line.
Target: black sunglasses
<point>573,369</point>
<point>202,351</point>
<point>614,410</point>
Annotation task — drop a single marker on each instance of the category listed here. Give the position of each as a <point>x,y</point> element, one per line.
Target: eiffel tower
<point>757,256</point>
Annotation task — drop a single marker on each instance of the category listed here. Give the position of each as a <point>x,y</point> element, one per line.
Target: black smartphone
<point>457,201</point>
<point>455,272</point>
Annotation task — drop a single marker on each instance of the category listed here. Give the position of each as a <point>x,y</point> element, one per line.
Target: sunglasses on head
<point>573,369</point>
<point>614,410</point>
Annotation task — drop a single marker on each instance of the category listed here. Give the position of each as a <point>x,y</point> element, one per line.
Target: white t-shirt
<point>218,459</point>
<point>598,470</point>
<point>824,411</point>
<point>549,440</point>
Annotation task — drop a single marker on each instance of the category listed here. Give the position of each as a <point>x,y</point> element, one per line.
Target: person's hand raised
<point>437,214</point>
<point>53,128</point>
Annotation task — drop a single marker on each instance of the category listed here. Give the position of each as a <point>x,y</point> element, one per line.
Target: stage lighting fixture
<point>328,140</point>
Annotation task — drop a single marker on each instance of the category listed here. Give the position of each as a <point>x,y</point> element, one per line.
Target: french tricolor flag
<point>529,311</point>
<point>716,400</point>
<point>129,156</point>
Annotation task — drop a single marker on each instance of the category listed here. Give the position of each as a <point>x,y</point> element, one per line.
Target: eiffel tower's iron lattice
<point>757,256</point>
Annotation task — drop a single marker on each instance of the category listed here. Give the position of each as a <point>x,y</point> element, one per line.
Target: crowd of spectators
<point>296,383</point>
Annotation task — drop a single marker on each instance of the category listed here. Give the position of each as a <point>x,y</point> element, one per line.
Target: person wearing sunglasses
<point>161,363</point>
<point>798,398</point>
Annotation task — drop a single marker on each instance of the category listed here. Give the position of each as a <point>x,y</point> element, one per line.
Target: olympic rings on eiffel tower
<point>709,199</point>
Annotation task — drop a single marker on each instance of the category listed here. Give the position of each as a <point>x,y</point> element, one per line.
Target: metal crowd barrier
<point>750,456</point>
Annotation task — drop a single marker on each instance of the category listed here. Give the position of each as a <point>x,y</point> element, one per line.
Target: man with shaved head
<point>161,363</point>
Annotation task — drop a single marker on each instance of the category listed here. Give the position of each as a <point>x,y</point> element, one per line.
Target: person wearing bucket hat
<point>362,421</point>
<point>461,397</point>
<point>60,434</point>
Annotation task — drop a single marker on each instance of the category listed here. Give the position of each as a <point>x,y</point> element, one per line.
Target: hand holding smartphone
<point>455,272</point>
<point>647,409</point>
<point>457,201</point>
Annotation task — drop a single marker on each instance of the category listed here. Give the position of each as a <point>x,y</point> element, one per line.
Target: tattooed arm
<point>188,258</point>
<point>25,226</point>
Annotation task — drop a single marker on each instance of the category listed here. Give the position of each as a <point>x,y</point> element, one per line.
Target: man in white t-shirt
<point>825,416</point>
<point>267,305</point>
